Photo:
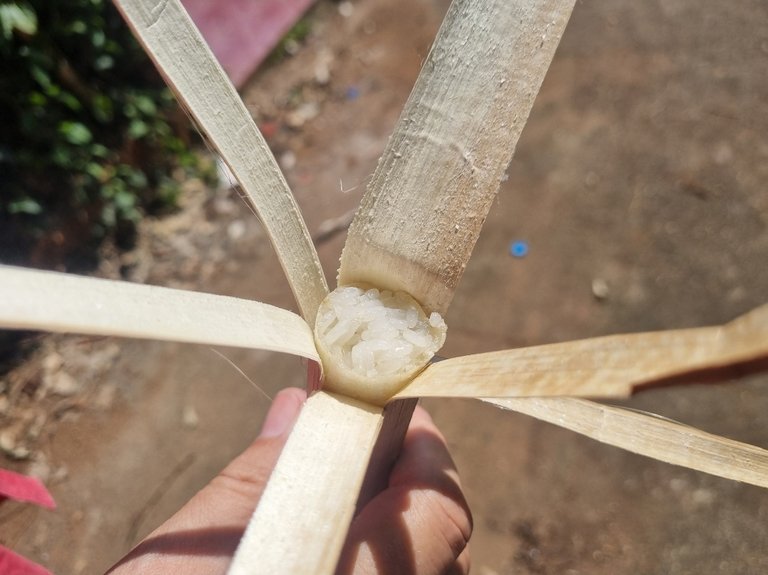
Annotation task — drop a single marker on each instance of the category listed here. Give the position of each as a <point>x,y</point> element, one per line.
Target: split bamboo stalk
<point>609,366</point>
<point>423,209</point>
<point>67,303</point>
<point>179,51</point>
<point>650,435</point>
<point>428,199</point>
<point>309,490</point>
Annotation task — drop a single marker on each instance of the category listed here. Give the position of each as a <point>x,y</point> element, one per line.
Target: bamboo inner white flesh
<point>651,436</point>
<point>67,303</point>
<point>427,200</point>
<point>182,56</point>
<point>372,342</point>
<point>601,367</point>
<point>302,519</point>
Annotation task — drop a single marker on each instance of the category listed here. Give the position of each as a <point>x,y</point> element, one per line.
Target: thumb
<point>283,412</point>
<point>231,497</point>
<point>202,536</point>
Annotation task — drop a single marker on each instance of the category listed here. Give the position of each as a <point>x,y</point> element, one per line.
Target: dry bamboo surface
<point>306,509</point>
<point>428,199</point>
<point>67,303</point>
<point>423,210</point>
<point>182,56</point>
<point>601,367</point>
<point>651,436</point>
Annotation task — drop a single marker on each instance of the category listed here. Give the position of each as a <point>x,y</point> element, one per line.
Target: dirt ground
<point>639,187</point>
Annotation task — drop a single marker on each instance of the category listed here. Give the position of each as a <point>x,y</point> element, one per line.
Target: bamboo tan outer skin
<point>600,367</point>
<point>184,59</point>
<point>428,199</point>
<point>309,490</point>
<point>649,435</point>
<point>68,303</point>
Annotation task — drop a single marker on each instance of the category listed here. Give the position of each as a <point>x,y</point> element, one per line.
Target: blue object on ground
<point>353,93</point>
<point>518,249</point>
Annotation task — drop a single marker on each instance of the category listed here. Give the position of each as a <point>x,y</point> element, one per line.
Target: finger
<point>202,536</point>
<point>462,565</point>
<point>283,412</point>
<point>421,524</point>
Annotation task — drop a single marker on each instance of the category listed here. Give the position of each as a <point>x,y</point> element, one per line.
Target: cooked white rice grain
<point>373,341</point>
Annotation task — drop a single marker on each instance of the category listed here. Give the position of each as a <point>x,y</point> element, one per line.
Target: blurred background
<point>636,201</point>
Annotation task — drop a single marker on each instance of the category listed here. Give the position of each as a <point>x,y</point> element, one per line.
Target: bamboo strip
<point>651,436</point>
<point>397,417</point>
<point>601,367</point>
<point>182,56</point>
<point>67,303</point>
<point>427,200</point>
<point>303,516</point>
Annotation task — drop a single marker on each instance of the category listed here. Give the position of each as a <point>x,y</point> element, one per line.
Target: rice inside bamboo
<point>372,342</point>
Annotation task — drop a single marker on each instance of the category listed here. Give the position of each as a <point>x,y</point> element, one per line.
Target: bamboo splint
<point>171,39</point>
<point>428,199</point>
<point>67,303</point>
<point>609,366</point>
<point>303,516</point>
<point>649,435</point>
<point>463,125</point>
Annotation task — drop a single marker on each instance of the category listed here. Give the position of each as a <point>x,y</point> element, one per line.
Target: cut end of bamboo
<point>372,342</point>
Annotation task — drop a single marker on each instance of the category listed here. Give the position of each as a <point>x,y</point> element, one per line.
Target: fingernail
<point>283,412</point>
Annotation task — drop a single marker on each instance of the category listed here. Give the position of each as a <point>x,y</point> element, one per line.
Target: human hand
<point>419,525</point>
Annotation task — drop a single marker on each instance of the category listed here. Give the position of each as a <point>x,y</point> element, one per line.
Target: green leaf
<point>99,150</point>
<point>37,99</point>
<point>109,215</point>
<point>25,206</point>
<point>17,17</point>
<point>40,76</point>
<point>96,171</point>
<point>103,108</point>
<point>146,105</point>
<point>70,101</point>
<point>75,133</point>
<point>98,38</point>
<point>138,129</point>
<point>125,201</point>
<point>78,27</point>
<point>104,62</point>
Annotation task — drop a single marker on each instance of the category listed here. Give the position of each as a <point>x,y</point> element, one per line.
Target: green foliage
<point>89,133</point>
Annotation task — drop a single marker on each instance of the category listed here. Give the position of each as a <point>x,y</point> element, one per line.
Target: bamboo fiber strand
<point>601,367</point>
<point>171,39</point>
<point>58,302</point>
<point>302,519</point>
<point>650,435</point>
<point>424,207</point>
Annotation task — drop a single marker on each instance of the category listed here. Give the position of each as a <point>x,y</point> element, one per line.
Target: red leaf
<point>14,564</point>
<point>23,488</point>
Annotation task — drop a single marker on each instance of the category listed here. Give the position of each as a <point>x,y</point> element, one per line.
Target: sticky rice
<point>372,342</point>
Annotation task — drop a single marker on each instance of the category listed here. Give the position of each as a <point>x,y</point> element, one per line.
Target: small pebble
<point>189,417</point>
<point>236,230</point>
<point>61,384</point>
<point>346,8</point>
<point>600,289</point>
<point>288,160</point>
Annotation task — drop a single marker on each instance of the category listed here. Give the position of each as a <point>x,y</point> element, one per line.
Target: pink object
<point>23,488</point>
<point>14,564</point>
<point>29,490</point>
<point>241,33</point>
